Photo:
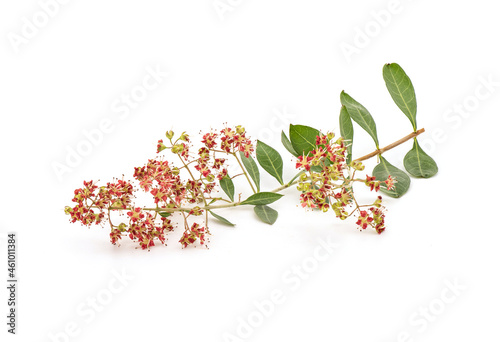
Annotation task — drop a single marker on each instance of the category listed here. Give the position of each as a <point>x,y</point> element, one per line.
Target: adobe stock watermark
<point>292,280</point>
<point>462,110</point>
<point>121,108</point>
<point>223,7</point>
<point>365,34</point>
<point>89,309</point>
<point>32,25</point>
<point>427,314</point>
<point>279,121</point>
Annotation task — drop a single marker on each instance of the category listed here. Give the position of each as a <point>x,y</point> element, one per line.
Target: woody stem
<point>391,146</point>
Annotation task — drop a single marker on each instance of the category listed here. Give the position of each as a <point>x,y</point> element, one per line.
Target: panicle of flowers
<point>173,189</point>
<point>326,183</point>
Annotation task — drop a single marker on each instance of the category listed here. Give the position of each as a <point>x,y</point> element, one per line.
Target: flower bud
<point>240,129</point>
<point>196,211</point>
<point>122,227</point>
<point>169,134</point>
<point>177,148</point>
<point>303,187</point>
<point>160,147</point>
<point>357,165</point>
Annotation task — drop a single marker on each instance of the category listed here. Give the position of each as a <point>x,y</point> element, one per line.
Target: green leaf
<point>164,214</point>
<point>418,163</point>
<point>266,214</point>
<point>346,131</point>
<point>360,115</point>
<point>288,145</point>
<point>222,219</point>
<point>383,170</point>
<point>252,169</point>
<point>303,138</point>
<point>262,198</point>
<point>401,90</point>
<point>270,160</point>
<point>227,185</point>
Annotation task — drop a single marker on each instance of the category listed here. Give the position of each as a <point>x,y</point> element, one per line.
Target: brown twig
<point>391,146</point>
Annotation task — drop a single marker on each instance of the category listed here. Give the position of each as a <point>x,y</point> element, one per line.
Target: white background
<point>261,64</point>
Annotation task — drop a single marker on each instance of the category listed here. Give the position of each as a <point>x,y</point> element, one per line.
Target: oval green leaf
<point>303,138</point>
<point>266,214</point>
<point>262,198</point>
<point>252,169</point>
<point>360,115</point>
<point>346,131</point>
<point>288,145</point>
<point>383,170</point>
<point>165,214</point>
<point>226,183</point>
<point>401,90</point>
<point>270,160</point>
<point>418,163</point>
<point>221,219</point>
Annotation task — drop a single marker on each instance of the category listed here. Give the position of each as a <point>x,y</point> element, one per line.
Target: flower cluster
<point>143,228</point>
<point>161,181</point>
<point>324,169</point>
<point>326,182</point>
<point>374,218</point>
<point>173,189</point>
<point>374,184</point>
<point>191,235</point>
<point>88,198</point>
<point>231,141</point>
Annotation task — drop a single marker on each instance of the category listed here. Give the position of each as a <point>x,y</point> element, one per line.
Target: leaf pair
<point>264,212</point>
<point>416,161</point>
<point>268,158</point>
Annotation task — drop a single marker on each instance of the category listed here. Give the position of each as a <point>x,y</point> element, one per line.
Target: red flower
<point>390,182</point>
<point>363,219</point>
<point>209,140</point>
<point>304,162</point>
<point>135,214</point>
<point>372,183</point>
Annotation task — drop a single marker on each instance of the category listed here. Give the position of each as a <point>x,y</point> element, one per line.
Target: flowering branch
<point>324,181</point>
